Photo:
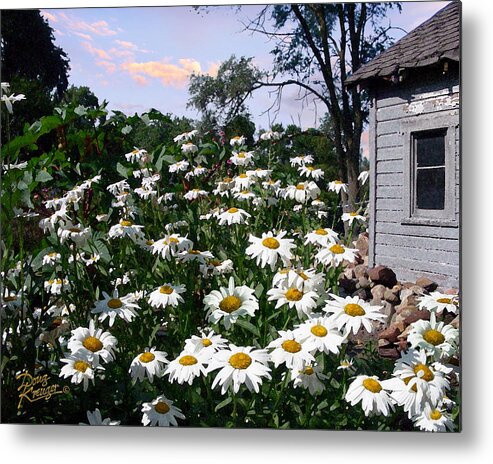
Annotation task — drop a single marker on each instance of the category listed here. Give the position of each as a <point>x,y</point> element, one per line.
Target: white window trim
<point>413,215</point>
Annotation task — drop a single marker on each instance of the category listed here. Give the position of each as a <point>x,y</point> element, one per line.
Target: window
<point>429,194</point>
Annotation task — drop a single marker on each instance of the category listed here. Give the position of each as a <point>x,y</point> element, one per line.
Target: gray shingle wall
<point>412,250</point>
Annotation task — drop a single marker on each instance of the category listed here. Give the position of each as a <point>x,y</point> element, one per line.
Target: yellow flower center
<point>434,337</point>
<point>52,254</point>
<point>161,407</point>
<point>195,190</point>
<point>134,152</point>
<point>291,346</point>
<point>300,187</point>
<point>337,249</point>
<point>115,303</point>
<point>51,282</point>
<point>206,342</point>
<point>243,176</point>
<point>92,344</point>
<point>58,281</point>
<point>271,242</point>
<point>321,232</point>
<point>241,155</point>
<point>318,330</point>
<point>227,180</point>
<point>338,182</point>
<point>81,366</point>
<point>194,252</point>
<point>146,357</point>
<point>232,210</point>
<point>245,192</point>
<point>372,385</point>
<point>149,242</point>
<point>427,374</point>
<point>303,275</point>
<point>215,262</point>
<point>308,370</point>
<point>166,290</point>
<point>240,361</point>
<point>293,294</point>
<point>444,300</point>
<point>310,168</point>
<point>353,310</point>
<point>229,304</point>
<point>353,214</point>
<point>435,414</point>
<point>126,223</point>
<point>75,230</point>
<point>187,360</point>
<point>173,240</point>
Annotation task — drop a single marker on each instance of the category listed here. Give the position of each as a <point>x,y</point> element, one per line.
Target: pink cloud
<point>96,51</point>
<point>107,65</point>
<point>50,16</point>
<point>141,80</point>
<point>84,36</point>
<point>72,24</point>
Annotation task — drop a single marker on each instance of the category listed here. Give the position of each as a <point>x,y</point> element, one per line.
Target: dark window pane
<point>430,149</point>
<point>430,188</point>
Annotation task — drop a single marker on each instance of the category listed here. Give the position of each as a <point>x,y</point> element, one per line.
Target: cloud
<point>175,75</point>
<point>84,36</point>
<point>141,80</point>
<point>100,53</point>
<point>50,16</point>
<point>107,65</point>
<point>72,24</point>
<point>125,44</point>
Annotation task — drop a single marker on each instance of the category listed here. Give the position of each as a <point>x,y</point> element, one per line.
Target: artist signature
<point>35,388</point>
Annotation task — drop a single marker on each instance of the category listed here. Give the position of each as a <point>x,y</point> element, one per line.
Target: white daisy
<point>79,368</point>
<point>320,333</point>
<point>167,295</point>
<point>372,394</point>
<point>187,366</point>
<point>233,216</point>
<point>137,154</point>
<point>303,279</point>
<point>229,303</point>
<point>438,302</point>
<point>179,166</point>
<point>310,378</point>
<point>269,248</point>
<point>216,267</point>
<point>243,194</point>
<point>189,147</point>
<point>310,171</point>
<point>126,228</point>
<point>363,177</point>
<point>335,254</point>
<point>51,258</point>
<point>223,187</point>
<point>270,135</point>
<point>301,160</point>
<point>149,363</point>
<point>243,181</point>
<point>93,343</point>
<point>242,158</point>
<point>209,341</point>
<point>237,141</point>
<point>259,173</point>
<point>337,186</point>
<point>239,365</point>
<point>170,245</point>
<point>351,313</point>
<point>113,306</point>
<point>194,194</point>
<point>302,192</point>
<point>95,418</point>
<point>351,217</point>
<point>77,233</point>
<point>323,237</point>
<point>186,136</point>
<point>161,412</point>
<point>289,349</point>
<point>55,286</point>
<point>303,301</point>
<point>118,187</point>
<point>434,419</point>
<point>195,255</point>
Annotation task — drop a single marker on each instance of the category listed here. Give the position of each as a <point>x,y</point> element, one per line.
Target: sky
<point>142,57</point>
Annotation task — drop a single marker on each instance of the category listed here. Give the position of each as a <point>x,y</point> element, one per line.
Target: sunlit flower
<point>324,237</point>
<point>303,301</point>
<point>438,302</point>
<point>301,160</point>
<point>55,286</point>
<point>310,171</point>
<point>237,141</point>
<point>126,228</point>
<point>195,255</point>
<point>243,181</point>
<point>179,166</point>
<point>239,365</point>
<point>95,418</point>
<point>167,295</point>
<point>303,279</point>
<point>345,364</point>
<point>434,419</point>
<point>113,306</point>
<point>170,245</point>
<point>320,333</point>
<point>229,303</point>
<point>372,394</point>
<point>118,187</point>
<point>161,412</point>
<point>79,367</point>
<point>302,192</point>
<point>195,193</point>
<point>208,340</point>
<point>216,267</point>
<point>289,349</point>
<point>137,154</point>
<point>149,363</point>
<point>268,249</point>
<point>351,217</point>
<point>334,254</point>
<point>233,216</point>
<point>270,135</point>
<point>187,366</point>
<point>352,313</point>
<point>9,100</point>
<point>186,136</point>
<point>51,258</point>
<point>189,147</point>
<point>259,173</point>
<point>242,158</point>
<point>77,233</point>
<point>337,186</point>
<point>243,194</point>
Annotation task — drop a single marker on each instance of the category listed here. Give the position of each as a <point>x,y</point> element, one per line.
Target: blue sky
<point>141,57</point>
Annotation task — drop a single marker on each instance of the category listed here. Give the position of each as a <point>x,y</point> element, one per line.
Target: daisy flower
<point>187,366</point>
<point>243,181</point>
<point>259,173</point>
<point>323,237</point>
<point>150,363</point>
<point>239,365</point>
<point>289,349</point>
<point>223,187</point>
<point>233,216</point>
<point>167,295</point>
<point>195,255</point>
<point>209,341</point>
<point>310,171</point>
<point>337,186</point>
<point>335,254</point>
<point>303,301</point>
<point>352,312</point>
<point>189,147</point>
<point>303,279</point>
<point>363,177</point>
<point>170,245</point>
<point>243,194</point>
<point>179,166</point>
<point>93,343</point>
<point>237,141</point>
<point>345,364</point>
<point>242,158</point>
<point>113,306</point>
<point>310,378</point>
<point>126,228</point>
<point>271,185</point>
<point>79,368</point>
<point>137,154</point>
<point>194,194</point>
<point>55,286</point>
<point>161,412</point>
<point>372,394</point>
<point>301,160</point>
<point>351,217</point>
<point>186,136</point>
<point>319,333</point>
<point>229,303</point>
<point>216,267</point>
<point>95,418</point>
<point>269,248</point>
<point>436,338</point>
<point>438,302</point>
<point>76,233</point>
<point>302,192</point>
<point>434,419</point>
<point>270,135</point>
<point>118,187</point>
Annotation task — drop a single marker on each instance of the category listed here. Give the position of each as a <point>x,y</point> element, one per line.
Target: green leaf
<point>248,326</point>
<point>43,176</point>
<point>122,170</point>
<point>223,403</point>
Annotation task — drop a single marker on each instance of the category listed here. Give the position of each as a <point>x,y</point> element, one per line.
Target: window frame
<point>411,127</point>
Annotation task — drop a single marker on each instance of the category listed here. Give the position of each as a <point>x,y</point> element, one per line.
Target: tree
<point>81,95</point>
<point>317,47</point>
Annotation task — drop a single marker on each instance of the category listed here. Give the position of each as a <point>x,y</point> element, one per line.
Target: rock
<point>382,343</point>
<point>400,319</point>
<point>390,352</point>
<point>390,334</point>
<point>422,314</point>
<point>455,323</point>
<point>378,291</point>
<point>427,284</point>
<point>349,273</point>
<point>391,297</point>
<point>362,244</point>
<point>408,298</point>
<point>349,285</point>
<point>403,335</point>
<point>363,282</point>
<point>388,309</point>
<point>383,275</point>
<point>417,290</point>
<point>402,345</point>
<point>396,289</point>
<point>362,293</point>
<point>360,271</point>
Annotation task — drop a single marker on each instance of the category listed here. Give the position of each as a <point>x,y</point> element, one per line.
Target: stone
<point>362,244</point>
<point>422,314</point>
<point>403,335</point>
<point>349,285</point>
<point>360,271</point>
<point>382,343</point>
<point>417,290</point>
<point>455,323</point>
<point>378,291</point>
<point>402,345</point>
<point>396,289</point>
<point>383,275</point>
<point>391,297</point>
<point>388,309</point>
<point>363,282</point>
<point>390,334</point>
<point>428,284</point>
<point>390,353</point>
<point>361,293</point>
<point>349,273</point>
